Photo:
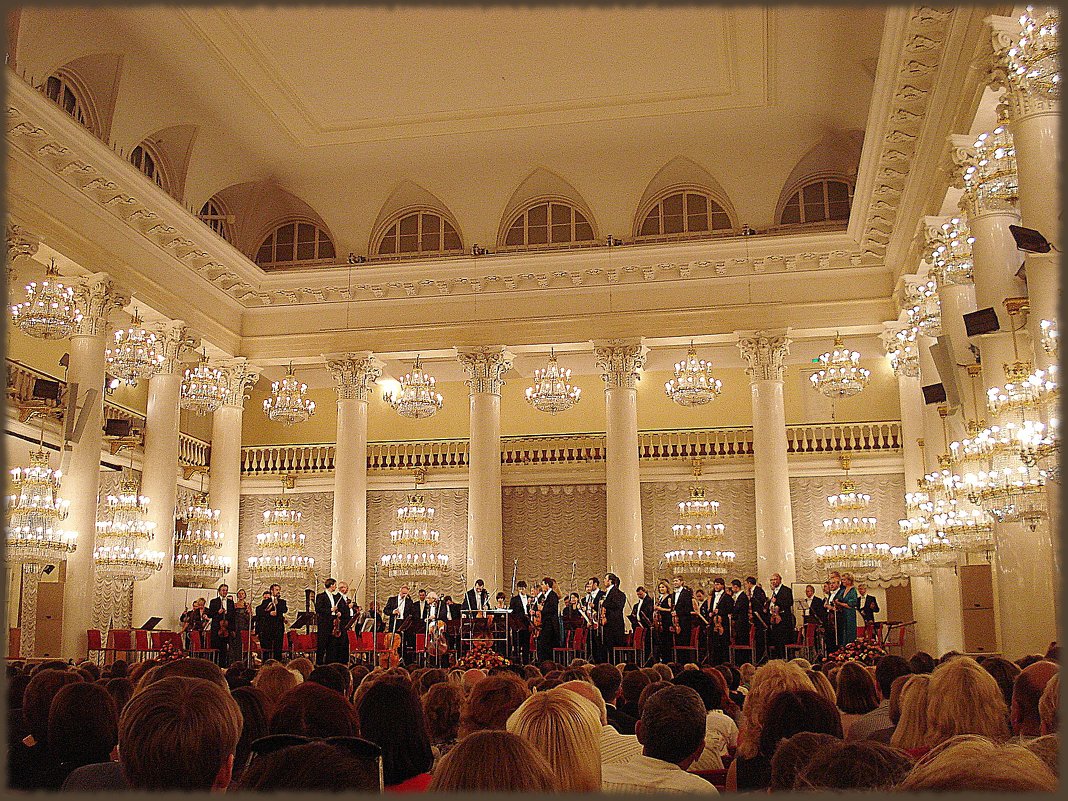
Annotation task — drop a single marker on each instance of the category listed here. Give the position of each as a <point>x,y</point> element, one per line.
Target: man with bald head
<point>615,747</point>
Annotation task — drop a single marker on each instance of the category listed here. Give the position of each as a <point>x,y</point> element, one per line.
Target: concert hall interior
<point>754,308</point>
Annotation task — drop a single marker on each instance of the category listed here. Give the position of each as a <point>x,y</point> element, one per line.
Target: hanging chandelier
<point>415,532</point>
<point>415,520</point>
<point>933,550</point>
<point>968,530</point>
<point>951,253</point>
<point>49,311</point>
<point>196,535</point>
<point>204,388</point>
<point>123,536</point>
<point>847,497</point>
<point>853,556</point>
<point>697,534</point>
<point>35,514</point>
<point>924,309</point>
<point>288,403</point>
<point>700,562</point>
<point>551,391</point>
<point>840,376</point>
<point>991,177</point>
<point>416,397</point>
<point>839,552</point>
<point>694,383</point>
<point>907,561</point>
<point>903,354</point>
<point>1032,61</point>
<point>281,544</point>
<point>135,353</point>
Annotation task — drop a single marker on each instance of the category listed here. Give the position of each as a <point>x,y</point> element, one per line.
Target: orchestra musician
<point>701,617</point>
<point>662,617</point>
<point>422,607</point>
<point>332,614</point>
<point>641,616</point>
<point>782,624</point>
<point>740,616</point>
<point>758,618</point>
<point>721,607</point>
<point>830,628</point>
<point>682,600</point>
<point>195,619</point>
<point>371,620</point>
<point>222,613</point>
<point>574,614</point>
<point>397,610</point>
<point>613,603</point>
<point>520,622</point>
<point>592,607</point>
<point>868,609</point>
<point>271,623</point>
<point>549,638</point>
<point>477,597</point>
<point>449,611</point>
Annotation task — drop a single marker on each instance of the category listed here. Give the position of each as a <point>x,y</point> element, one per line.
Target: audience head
<point>83,724</point>
<point>314,766</point>
<point>796,711</point>
<point>471,678</point>
<point>1026,690</point>
<point>895,698</point>
<point>911,729</point>
<point>822,685</point>
<point>312,710</point>
<point>302,665</point>
<point>328,677</point>
<point>921,662</point>
<point>392,718</point>
<point>793,754</point>
<point>854,765</point>
<point>590,693</point>
<point>441,705</point>
<point>672,726</point>
<point>37,702</point>
<point>16,689</point>
<point>275,681</point>
<point>185,669</point>
<point>962,698</point>
<point>664,670</point>
<point>516,766</point>
<point>179,734</point>
<point>705,686</point>
<point>1048,749</point>
<point>428,678</point>
<point>119,668</point>
<point>978,764</point>
<point>856,693</point>
<point>771,679</point>
<point>491,703</point>
<point>886,670</point>
<point>608,681</point>
<point>565,729</point>
<point>254,719</point>
<point>1048,705</point>
<point>648,691</point>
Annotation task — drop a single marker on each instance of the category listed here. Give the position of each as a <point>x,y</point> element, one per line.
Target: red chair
<point>751,648</point>
<point>95,639</point>
<point>805,646</point>
<point>142,643</point>
<point>119,641</point>
<point>695,634</point>
<point>894,635</point>
<point>635,647</point>
<point>161,638</point>
<point>250,643</point>
<point>574,645</point>
<point>198,648</point>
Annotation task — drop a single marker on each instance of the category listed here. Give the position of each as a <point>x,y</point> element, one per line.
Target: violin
<point>604,617</point>
<point>718,625</point>
<point>224,628</point>
<point>535,618</point>
<point>676,627</point>
<point>776,618</point>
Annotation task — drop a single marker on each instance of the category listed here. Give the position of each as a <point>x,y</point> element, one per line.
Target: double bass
<point>436,642</point>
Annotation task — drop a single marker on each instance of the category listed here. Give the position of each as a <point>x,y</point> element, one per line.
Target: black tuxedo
<point>830,623</point>
<point>519,620</point>
<point>782,633</point>
<point>758,605</point>
<point>662,632</point>
<point>471,601</point>
<point>869,608</point>
<point>448,612</point>
<point>642,617</point>
<point>549,637</point>
<point>217,613</point>
<point>271,628</point>
<point>684,610</point>
<point>406,609</point>
<point>620,720</point>
<point>613,602</point>
<point>329,648</point>
<point>422,609</point>
<point>740,620</point>
<point>721,642</point>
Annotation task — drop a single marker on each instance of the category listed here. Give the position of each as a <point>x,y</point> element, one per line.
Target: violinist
<point>702,616</point>
<point>662,609</point>
<point>781,618</point>
<point>682,599</point>
<point>721,606</point>
<point>758,618</point>
<point>332,615</point>
<point>520,622</point>
<point>574,614</point>
<point>549,638</point>
<point>740,615</point>
<point>222,612</point>
<point>195,619</point>
<point>271,623</point>
<point>449,611</point>
<point>397,610</point>
<point>613,602</point>
<point>641,616</point>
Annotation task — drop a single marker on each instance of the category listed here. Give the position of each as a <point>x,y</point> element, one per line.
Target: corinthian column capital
<point>175,340</point>
<point>764,354</point>
<point>354,373</point>
<point>1023,96</point>
<point>621,361</point>
<point>240,377</point>
<point>486,366</point>
<point>97,296</point>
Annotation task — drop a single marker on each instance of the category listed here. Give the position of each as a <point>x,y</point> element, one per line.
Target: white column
<point>621,362</point>
<point>159,476</point>
<point>224,476</point>
<point>97,297</point>
<point>355,374</point>
<point>485,367</point>
<point>765,354</point>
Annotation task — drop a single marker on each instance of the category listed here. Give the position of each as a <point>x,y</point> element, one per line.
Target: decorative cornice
<point>19,243</point>
<point>621,361</point>
<point>354,374</point>
<point>175,340</point>
<point>96,296</point>
<point>485,367</point>
<point>764,354</point>
<point>240,377</point>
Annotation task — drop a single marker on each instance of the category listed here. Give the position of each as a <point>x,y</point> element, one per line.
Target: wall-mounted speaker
<point>984,321</point>
<point>934,393</point>
<point>117,427</point>
<point>946,365</point>
<point>43,389</point>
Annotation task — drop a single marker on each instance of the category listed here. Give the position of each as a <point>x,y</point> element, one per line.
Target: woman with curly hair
<point>769,680</point>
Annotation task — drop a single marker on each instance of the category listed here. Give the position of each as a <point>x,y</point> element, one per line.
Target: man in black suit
<point>682,601</point>
<point>816,613</point>
<point>330,606</point>
<point>270,623</point>
<point>641,617</point>
<point>830,628</point>
<point>613,603</point>
<point>549,637</point>
<point>222,614</point>
<point>422,607</point>
<point>758,612</point>
<point>519,622</point>
<point>608,681</point>
<point>740,616</point>
<point>449,611</point>
<point>781,608</point>
<point>400,615</point>
<point>477,597</point>
<point>868,608</point>
<point>722,606</point>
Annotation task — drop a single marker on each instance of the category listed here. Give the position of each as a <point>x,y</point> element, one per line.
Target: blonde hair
<point>302,665</point>
<point>823,686</point>
<point>849,576</point>
<point>275,681</point>
<point>1048,749</point>
<point>565,729</point>
<point>977,763</point>
<point>516,766</point>
<point>1049,703</point>
<point>911,730</point>
<point>770,679</point>
<point>962,698</point>
<point>801,662</point>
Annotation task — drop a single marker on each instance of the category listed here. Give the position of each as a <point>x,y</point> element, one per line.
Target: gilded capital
<point>621,361</point>
<point>764,354</point>
<point>240,377</point>
<point>485,366</point>
<point>354,373</point>
<point>1025,64</point>
<point>985,167</point>
<point>96,296</point>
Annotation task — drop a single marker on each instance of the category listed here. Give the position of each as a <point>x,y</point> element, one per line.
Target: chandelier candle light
<point>288,403</point>
<point>415,520</point>
<point>951,253</point>
<point>694,383</point>
<point>196,535</point>
<point>123,536</point>
<point>552,391</point>
<point>698,527</point>
<point>49,311</point>
<point>850,555</point>
<point>840,376</point>
<point>416,397</point>
<point>281,545</point>
<point>204,388</point>
<point>902,352</point>
<point>135,353</point>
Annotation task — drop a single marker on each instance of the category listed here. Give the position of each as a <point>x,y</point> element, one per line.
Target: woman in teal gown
<point>847,615</point>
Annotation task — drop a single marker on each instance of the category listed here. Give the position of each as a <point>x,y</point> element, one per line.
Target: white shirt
<point>720,732</point>
<point>616,747</point>
<point>715,599</point>
<point>643,774</point>
<point>678,592</point>
<point>523,600</point>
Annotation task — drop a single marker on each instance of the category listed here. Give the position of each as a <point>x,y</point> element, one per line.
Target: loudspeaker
<point>946,365</point>
<point>1029,240</point>
<point>48,569</point>
<point>979,633</point>
<point>117,427</point>
<point>43,389</point>
<point>984,321</point>
<point>934,393</point>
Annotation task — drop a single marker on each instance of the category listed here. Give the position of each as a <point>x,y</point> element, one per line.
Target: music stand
<point>304,619</point>
<point>150,624</point>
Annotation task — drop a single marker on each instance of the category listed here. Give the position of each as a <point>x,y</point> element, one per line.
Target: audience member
<point>121,691</point>
<point>609,681</point>
<point>883,735</point>
<point>469,678</point>
<point>978,764</point>
<point>1024,719</point>
<point>392,717</point>
<point>921,662</point>
<point>312,710</point>
<point>276,680</point>
<point>792,755</point>
<point>187,669</point>
<point>1048,705</point>
<point>615,747</point>
<point>888,668</point>
<point>771,679</point>
<point>717,726</point>
<point>312,767</point>
<point>1047,748</point>
<point>301,664</point>
<point>442,703</point>
<point>254,725</point>
<point>328,677</point>
<point>727,705</point>
<point>822,685</point>
<point>83,728</point>
<point>565,729</point>
<point>27,761</point>
<point>856,695</point>
<point>1004,673</point>
<point>516,766</point>
<point>962,698</point>
<point>910,734</point>
<point>491,702</point>
<point>630,688</point>
<point>847,765</point>
<point>648,691</point>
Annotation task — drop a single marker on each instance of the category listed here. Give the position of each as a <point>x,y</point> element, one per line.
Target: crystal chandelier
<point>951,253</point>
<point>968,530</point>
<point>700,562</point>
<point>853,556</point>
<point>123,536</point>
<point>924,309</point>
<point>416,397</point>
<point>399,565</point>
<point>847,498</point>
<point>551,391</point>
<point>288,403</point>
<point>933,550</point>
<point>49,311</point>
<point>697,515</point>
<point>903,354</point>
<point>1032,62</point>
<point>196,535</point>
<point>908,562</point>
<point>414,532</point>
<point>35,513</point>
<point>281,544</point>
<point>991,178</point>
<point>694,383</point>
<point>204,388</point>
<point>135,353</point>
<point>840,376</point>
<point>839,552</point>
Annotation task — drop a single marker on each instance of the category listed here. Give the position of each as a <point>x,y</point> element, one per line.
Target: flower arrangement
<point>169,652</point>
<point>866,652</point>
<point>483,657</point>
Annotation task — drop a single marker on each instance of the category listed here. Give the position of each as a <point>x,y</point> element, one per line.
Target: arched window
<point>295,242</point>
<point>548,223</point>
<point>61,89</point>
<point>214,215</point>
<point>419,233</point>
<point>682,213</point>
<point>822,200</point>
<point>150,163</point>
